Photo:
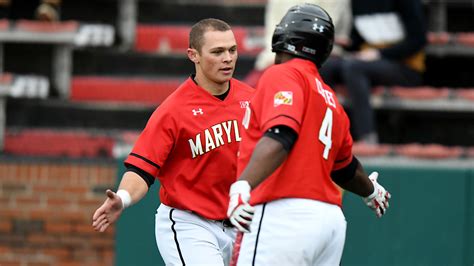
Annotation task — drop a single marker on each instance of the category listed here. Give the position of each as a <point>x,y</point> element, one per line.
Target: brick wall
<point>46,210</point>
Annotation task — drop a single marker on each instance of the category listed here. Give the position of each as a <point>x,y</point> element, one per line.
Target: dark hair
<point>197,31</point>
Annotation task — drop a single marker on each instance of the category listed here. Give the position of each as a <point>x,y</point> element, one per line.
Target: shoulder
<point>183,92</point>
<point>284,71</point>
<point>174,101</point>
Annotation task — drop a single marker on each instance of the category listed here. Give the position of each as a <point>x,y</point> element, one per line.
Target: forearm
<point>267,156</point>
<point>134,185</point>
<point>360,184</point>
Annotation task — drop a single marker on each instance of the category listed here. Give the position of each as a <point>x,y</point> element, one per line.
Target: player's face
<point>218,56</point>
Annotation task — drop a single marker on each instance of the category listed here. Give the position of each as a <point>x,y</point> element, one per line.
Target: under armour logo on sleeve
<point>197,111</point>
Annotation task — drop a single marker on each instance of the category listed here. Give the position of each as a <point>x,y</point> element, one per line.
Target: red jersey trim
<point>143,163</point>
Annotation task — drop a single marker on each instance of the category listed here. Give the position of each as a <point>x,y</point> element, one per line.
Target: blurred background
<point>79,79</point>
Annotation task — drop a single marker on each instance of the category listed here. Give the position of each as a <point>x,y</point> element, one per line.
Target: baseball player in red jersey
<point>296,145</point>
<point>190,144</point>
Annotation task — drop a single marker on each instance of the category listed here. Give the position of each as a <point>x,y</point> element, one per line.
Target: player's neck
<point>281,58</point>
<point>210,86</point>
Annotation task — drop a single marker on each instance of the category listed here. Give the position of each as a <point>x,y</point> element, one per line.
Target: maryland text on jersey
<point>214,137</point>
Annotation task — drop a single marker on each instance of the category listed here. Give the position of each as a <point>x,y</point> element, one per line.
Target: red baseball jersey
<point>190,144</point>
<point>293,94</point>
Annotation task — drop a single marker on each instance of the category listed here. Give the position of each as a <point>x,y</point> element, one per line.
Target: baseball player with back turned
<point>190,144</point>
<point>295,145</point>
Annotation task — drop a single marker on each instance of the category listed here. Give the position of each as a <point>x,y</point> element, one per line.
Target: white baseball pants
<point>294,232</point>
<point>184,238</point>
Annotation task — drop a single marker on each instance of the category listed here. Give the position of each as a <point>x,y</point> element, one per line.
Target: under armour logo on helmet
<point>198,111</point>
<point>320,28</point>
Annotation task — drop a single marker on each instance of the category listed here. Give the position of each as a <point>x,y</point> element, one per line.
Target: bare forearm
<point>268,155</point>
<point>360,184</point>
<point>135,185</point>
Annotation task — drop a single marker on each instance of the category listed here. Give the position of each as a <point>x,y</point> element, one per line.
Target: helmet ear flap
<point>305,31</point>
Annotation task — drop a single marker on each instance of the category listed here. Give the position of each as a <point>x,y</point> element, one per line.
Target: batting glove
<point>378,200</point>
<point>240,212</point>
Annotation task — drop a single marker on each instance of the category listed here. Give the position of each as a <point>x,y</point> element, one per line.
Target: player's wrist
<point>372,195</point>
<point>373,179</point>
<point>124,195</point>
<point>240,187</point>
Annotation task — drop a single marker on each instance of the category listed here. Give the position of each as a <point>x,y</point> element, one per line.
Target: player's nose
<point>227,56</point>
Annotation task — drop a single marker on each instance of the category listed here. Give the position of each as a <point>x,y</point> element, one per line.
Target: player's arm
<point>354,179</point>
<point>269,153</point>
<point>133,187</point>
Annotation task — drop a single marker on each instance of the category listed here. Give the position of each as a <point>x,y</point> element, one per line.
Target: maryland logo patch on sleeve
<point>283,97</point>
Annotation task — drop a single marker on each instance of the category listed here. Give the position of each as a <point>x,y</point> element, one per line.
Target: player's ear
<point>193,55</point>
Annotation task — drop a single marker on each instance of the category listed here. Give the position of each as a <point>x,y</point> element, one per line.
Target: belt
<point>225,223</point>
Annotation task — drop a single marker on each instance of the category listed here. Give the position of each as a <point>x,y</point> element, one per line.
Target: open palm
<point>108,212</point>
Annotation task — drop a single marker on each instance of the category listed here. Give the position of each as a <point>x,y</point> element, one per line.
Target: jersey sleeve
<point>344,156</point>
<point>281,99</point>
<point>154,143</point>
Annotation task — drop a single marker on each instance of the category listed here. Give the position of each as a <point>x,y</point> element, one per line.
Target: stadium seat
<point>467,94</point>
<point>174,39</point>
<point>428,151</point>
<point>439,38</point>
<point>470,152</point>
<point>371,150</point>
<point>57,143</point>
<point>465,38</point>
<point>4,24</point>
<point>40,26</point>
<point>419,93</point>
<point>132,90</point>
<point>161,39</point>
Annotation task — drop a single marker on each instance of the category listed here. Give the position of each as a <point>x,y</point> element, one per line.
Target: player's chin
<point>224,77</point>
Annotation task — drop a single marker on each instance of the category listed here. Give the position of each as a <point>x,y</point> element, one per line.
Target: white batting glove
<point>378,200</point>
<point>240,212</point>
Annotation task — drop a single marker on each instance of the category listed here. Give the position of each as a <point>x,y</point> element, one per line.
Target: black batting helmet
<point>305,31</point>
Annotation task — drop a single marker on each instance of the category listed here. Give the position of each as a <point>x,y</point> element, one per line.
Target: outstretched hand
<point>108,212</point>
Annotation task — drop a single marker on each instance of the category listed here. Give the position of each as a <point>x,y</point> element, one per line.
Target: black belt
<point>225,223</point>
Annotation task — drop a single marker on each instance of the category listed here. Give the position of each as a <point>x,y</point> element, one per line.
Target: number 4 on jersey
<point>325,133</point>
